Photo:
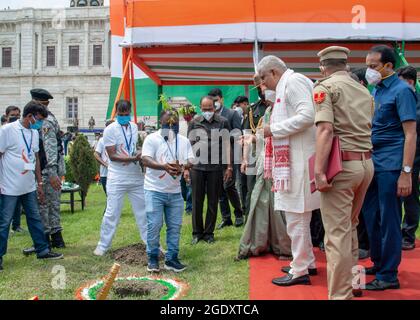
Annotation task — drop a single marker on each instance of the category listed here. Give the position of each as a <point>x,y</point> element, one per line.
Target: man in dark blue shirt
<point>412,202</point>
<point>394,144</point>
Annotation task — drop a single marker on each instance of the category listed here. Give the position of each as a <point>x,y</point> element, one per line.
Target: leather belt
<point>355,156</point>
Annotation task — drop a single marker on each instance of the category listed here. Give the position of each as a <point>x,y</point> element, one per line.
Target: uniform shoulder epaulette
<point>320,81</point>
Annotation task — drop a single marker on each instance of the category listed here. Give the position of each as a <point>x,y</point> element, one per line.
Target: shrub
<point>83,163</point>
<point>69,172</point>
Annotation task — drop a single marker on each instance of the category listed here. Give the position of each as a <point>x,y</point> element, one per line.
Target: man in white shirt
<point>19,171</point>
<point>290,138</point>
<point>102,157</point>
<point>124,176</point>
<point>166,155</point>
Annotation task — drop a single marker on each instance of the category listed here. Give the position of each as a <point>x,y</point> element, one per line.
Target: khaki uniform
<point>347,105</point>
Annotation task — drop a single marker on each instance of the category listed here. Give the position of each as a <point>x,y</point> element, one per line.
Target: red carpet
<point>264,269</point>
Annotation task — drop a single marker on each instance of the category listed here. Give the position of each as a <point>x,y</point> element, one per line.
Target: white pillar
<point>106,48</point>
<point>86,53</point>
<point>39,62</point>
<point>59,49</point>
<point>18,59</point>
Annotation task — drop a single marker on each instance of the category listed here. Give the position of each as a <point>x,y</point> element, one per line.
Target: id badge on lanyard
<point>30,164</point>
<point>128,143</point>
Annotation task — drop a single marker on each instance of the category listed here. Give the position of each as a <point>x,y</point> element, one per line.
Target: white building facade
<point>66,52</point>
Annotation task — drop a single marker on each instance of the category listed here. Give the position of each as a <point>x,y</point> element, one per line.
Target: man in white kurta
<point>296,127</point>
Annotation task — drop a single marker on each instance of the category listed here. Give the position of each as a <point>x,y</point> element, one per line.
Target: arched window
<point>82,3</point>
<point>95,3</point>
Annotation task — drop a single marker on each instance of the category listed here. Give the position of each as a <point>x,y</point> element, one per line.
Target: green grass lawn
<point>211,273</point>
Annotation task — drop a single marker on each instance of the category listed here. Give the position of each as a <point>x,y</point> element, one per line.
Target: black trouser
<point>412,211</point>
<point>317,228</point>
<point>250,180</point>
<point>241,185</point>
<point>362,233</point>
<point>205,183</point>
<point>229,193</point>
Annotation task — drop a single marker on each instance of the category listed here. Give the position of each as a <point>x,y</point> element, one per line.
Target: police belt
<point>355,156</point>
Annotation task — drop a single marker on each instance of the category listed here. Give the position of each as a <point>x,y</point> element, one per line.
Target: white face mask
<point>218,105</point>
<point>270,95</point>
<point>208,115</point>
<point>373,77</point>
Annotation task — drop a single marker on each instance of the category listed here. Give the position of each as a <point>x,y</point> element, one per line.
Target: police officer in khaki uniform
<point>344,108</point>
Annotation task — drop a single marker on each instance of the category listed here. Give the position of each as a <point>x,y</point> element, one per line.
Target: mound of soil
<point>144,290</point>
<point>133,255</point>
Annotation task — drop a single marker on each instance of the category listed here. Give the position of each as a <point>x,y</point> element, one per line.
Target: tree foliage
<point>83,163</point>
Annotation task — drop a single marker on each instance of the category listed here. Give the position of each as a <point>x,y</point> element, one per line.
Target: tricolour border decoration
<point>176,288</point>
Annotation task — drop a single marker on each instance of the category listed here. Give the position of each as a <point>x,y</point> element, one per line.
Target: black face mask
<point>13,119</point>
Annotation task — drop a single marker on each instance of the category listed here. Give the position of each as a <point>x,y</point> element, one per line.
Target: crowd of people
<point>253,158</point>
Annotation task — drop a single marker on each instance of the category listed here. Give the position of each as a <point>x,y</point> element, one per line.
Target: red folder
<point>335,164</point>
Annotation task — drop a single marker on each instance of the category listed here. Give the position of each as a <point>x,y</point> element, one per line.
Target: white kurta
<point>301,131</point>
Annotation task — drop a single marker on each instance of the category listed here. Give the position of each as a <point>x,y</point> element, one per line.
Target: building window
<point>97,55</point>
<point>72,105</point>
<point>51,56</point>
<point>74,56</point>
<point>6,61</point>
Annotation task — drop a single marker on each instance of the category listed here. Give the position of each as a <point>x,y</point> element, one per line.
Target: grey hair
<point>271,63</point>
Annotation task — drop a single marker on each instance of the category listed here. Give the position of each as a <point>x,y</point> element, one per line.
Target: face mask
<point>123,120</point>
<point>373,77</point>
<point>37,125</point>
<point>270,95</point>
<point>13,119</point>
<point>174,128</point>
<point>208,115</point>
<point>218,105</point>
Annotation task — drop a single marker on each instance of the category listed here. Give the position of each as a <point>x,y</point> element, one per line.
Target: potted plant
<point>188,112</point>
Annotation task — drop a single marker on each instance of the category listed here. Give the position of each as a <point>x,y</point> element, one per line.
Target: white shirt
<point>162,151</point>
<point>100,148</point>
<point>14,179</point>
<point>125,140</point>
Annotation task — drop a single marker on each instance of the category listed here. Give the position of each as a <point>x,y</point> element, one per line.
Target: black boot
<point>57,240</point>
<point>48,239</point>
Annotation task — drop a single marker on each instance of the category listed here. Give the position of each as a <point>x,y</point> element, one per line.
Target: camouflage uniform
<point>53,166</point>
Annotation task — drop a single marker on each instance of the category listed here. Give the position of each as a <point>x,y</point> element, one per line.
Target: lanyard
<point>28,146</point>
<point>176,148</point>
<point>128,144</point>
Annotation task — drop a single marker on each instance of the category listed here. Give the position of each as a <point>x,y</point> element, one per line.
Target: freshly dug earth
<point>133,255</point>
<point>141,290</point>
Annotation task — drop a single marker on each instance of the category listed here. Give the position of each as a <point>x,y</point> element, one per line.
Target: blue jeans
<point>186,194</point>
<point>103,183</point>
<point>33,219</point>
<point>158,205</point>
<point>17,216</point>
<point>382,211</point>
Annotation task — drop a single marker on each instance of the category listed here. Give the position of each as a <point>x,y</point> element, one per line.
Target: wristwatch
<point>407,169</point>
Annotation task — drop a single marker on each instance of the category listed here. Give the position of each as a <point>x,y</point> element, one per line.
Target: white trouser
<point>116,190</point>
<point>299,231</point>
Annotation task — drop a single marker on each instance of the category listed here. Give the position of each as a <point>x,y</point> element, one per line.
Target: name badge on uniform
<point>29,166</point>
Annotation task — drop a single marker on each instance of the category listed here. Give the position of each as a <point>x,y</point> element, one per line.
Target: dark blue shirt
<point>395,103</point>
<point>417,159</point>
